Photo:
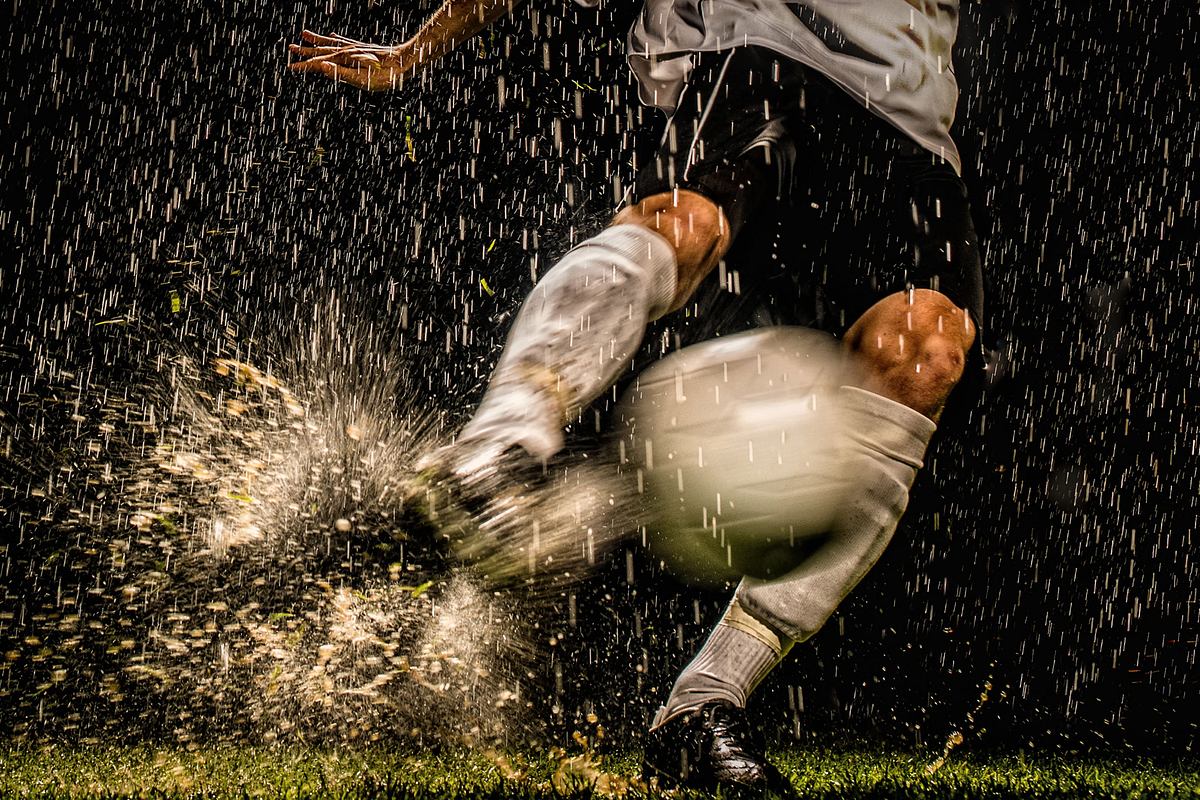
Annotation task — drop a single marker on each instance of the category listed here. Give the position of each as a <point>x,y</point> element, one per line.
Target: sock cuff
<point>885,426</point>
<point>739,619</point>
<point>650,251</point>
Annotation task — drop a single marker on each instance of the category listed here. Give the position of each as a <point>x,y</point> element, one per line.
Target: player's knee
<point>914,344</point>
<point>692,223</point>
<point>688,220</point>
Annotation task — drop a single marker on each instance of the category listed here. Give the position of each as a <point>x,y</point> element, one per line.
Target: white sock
<point>888,441</point>
<point>577,331</point>
<point>735,658</point>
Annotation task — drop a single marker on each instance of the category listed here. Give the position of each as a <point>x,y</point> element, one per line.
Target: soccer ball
<point>736,446</point>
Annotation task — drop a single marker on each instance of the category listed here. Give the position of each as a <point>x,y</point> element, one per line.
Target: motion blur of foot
<point>476,493</point>
<point>474,472</point>
<point>712,749</point>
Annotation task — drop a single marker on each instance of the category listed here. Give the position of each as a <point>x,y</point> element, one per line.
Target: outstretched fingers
<point>368,66</point>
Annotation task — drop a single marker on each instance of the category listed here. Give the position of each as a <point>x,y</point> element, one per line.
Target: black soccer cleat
<point>712,749</point>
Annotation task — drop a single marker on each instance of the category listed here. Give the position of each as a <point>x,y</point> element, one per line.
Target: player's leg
<point>908,352</point>
<point>584,320</point>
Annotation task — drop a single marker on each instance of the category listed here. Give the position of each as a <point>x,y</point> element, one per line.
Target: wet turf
<point>365,773</point>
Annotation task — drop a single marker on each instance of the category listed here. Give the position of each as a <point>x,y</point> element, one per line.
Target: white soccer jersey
<point>892,55</point>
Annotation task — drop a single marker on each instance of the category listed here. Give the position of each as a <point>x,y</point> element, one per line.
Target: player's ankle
<point>516,414</point>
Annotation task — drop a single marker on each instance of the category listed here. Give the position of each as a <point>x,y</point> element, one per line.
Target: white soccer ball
<point>737,446</point>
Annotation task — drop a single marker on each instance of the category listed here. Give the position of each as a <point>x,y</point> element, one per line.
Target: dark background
<point>1050,547</point>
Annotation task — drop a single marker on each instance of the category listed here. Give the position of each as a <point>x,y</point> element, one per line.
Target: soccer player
<point>830,118</point>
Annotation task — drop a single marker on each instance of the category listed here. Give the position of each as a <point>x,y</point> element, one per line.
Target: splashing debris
<point>955,738</point>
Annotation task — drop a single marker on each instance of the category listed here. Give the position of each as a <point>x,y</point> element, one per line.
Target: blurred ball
<point>736,445</point>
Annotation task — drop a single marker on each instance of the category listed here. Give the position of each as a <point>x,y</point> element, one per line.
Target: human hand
<point>368,66</point>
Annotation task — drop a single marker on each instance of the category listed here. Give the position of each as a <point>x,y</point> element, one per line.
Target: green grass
<point>229,771</point>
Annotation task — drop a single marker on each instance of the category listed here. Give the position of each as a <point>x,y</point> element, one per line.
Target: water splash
<point>955,738</point>
<point>253,566</point>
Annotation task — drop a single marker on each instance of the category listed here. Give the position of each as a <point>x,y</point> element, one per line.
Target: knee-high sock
<point>577,331</point>
<point>736,657</point>
<point>887,443</point>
